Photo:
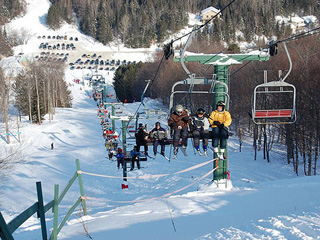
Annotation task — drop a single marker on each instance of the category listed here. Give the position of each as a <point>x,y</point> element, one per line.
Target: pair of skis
<point>184,152</point>
<point>163,155</point>
<point>201,154</point>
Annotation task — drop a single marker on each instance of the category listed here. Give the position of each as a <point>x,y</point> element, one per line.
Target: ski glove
<point>174,124</point>
<point>221,126</point>
<point>185,119</point>
<point>216,123</point>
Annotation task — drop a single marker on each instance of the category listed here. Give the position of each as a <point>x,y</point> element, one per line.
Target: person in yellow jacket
<point>220,120</point>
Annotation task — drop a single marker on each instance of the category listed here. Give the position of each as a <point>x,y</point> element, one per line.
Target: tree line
<point>142,23</point>
<point>8,10</point>
<point>37,91</point>
<point>135,23</point>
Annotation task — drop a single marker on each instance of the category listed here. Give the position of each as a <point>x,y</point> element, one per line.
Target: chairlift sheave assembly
<point>192,80</point>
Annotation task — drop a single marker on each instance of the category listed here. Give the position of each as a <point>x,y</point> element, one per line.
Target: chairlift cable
<point>294,37</point>
<point>243,66</point>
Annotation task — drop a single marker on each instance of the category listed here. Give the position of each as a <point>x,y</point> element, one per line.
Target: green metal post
<point>222,74</point>
<point>124,146</point>
<point>41,212</point>
<point>113,113</point>
<point>104,93</point>
<point>4,231</point>
<point>81,188</point>
<point>55,212</point>
<point>138,115</point>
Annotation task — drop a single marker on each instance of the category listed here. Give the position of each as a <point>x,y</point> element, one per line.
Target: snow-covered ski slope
<point>267,200</point>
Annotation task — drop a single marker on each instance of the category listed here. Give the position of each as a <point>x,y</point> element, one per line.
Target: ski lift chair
<point>269,92</point>
<point>263,114</point>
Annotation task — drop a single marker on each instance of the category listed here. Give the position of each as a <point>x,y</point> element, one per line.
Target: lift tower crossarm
<point>221,58</point>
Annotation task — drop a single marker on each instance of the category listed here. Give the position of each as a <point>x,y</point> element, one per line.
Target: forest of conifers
<point>139,23</point>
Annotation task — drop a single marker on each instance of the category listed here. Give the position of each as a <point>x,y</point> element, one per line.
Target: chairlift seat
<point>286,113</point>
<point>274,88</point>
<point>127,157</point>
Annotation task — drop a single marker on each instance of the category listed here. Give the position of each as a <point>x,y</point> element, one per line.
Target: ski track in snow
<point>267,200</point>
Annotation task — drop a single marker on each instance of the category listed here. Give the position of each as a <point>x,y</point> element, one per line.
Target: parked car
<point>84,55</point>
<point>76,39</point>
<point>101,62</point>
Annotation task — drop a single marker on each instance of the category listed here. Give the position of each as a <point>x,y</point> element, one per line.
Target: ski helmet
<point>110,128</point>
<point>222,104</point>
<point>179,109</point>
<point>157,123</point>
<point>201,111</point>
<point>120,150</point>
<point>140,125</point>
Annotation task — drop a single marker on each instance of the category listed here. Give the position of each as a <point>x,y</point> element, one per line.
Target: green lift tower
<point>219,82</point>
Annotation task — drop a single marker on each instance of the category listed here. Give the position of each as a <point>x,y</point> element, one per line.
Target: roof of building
<point>209,9</point>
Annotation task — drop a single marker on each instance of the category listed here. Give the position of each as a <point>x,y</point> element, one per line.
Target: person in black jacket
<point>158,135</point>
<point>141,138</point>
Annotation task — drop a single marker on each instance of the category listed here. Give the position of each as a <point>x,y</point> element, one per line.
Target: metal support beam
<point>124,146</point>
<point>83,201</point>
<point>41,212</point>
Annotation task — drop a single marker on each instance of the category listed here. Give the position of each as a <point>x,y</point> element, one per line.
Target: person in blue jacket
<point>120,158</point>
<point>135,156</point>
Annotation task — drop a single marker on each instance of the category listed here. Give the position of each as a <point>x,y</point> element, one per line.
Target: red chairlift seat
<point>273,116</point>
<point>286,113</point>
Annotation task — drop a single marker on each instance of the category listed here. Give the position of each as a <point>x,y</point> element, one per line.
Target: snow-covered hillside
<point>262,201</point>
<point>267,201</point>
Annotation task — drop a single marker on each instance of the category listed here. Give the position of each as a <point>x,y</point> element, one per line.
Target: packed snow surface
<point>164,200</point>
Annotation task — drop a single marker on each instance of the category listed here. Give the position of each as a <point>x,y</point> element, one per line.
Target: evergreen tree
<point>53,17</point>
<point>104,33</point>
<point>124,80</point>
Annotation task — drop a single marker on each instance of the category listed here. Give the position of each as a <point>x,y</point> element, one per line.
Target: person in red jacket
<point>110,131</point>
<point>178,122</point>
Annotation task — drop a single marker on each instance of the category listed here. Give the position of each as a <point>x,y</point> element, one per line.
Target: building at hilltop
<point>208,13</point>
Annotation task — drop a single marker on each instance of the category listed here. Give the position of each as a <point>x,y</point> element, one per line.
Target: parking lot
<point>68,49</point>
